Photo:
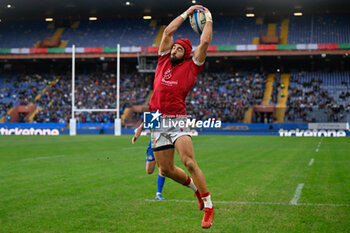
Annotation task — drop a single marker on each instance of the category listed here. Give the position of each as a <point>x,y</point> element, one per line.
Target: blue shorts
<point>150,155</point>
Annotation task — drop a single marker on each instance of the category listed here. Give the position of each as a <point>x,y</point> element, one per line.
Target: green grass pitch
<point>99,184</point>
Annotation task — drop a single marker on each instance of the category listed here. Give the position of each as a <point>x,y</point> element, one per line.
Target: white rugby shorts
<point>165,137</point>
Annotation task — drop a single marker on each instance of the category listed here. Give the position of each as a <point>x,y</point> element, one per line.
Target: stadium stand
<point>319,29</point>
<point>19,90</point>
<point>319,97</point>
<point>19,34</point>
<point>312,96</point>
<point>138,32</point>
<point>233,94</point>
<point>106,33</point>
<point>229,97</point>
<point>52,95</point>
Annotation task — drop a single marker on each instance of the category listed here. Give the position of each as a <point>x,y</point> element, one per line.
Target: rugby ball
<point>197,21</point>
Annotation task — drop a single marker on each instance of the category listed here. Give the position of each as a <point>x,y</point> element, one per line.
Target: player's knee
<point>166,172</point>
<point>190,164</point>
<point>149,171</point>
<point>162,173</point>
<point>150,167</point>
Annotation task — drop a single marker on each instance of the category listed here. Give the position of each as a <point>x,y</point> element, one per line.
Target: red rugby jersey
<point>172,84</point>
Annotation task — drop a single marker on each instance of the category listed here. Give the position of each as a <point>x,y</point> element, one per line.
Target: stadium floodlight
<point>250,15</point>
<point>127,3</point>
<point>194,1</point>
<point>92,18</point>
<point>9,6</point>
<point>298,14</point>
<point>48,19</point>
<point>147,17</point>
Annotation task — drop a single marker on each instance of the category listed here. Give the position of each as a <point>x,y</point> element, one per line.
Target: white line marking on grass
<point>325,204</point>
<point>226,202</point>
<point>297,194</point>
<point>38,158</point>
<point>327,161</point>
<point>253,203</point>
<point>318,146</point>
<point>311,162</point>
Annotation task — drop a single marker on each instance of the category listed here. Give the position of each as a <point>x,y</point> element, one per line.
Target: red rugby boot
<point>208,217</point>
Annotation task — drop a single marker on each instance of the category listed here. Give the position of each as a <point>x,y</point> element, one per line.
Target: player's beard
<point>175,60</point>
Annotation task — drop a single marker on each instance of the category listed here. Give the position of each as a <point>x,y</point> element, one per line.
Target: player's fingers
<point>193,8</point>
<point>204,9</point>
<point>197,7</point>
<point>200,8</point>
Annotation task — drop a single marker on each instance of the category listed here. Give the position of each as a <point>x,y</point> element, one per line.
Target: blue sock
<point>160,183</point>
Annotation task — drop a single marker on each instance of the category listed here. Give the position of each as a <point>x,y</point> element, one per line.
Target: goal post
<point>117,120</point>
<point>72,121</point>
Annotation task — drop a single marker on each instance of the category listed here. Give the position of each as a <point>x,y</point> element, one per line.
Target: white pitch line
<point>253,203</point>
<point>226,202</point>
<point>318,146</point>
<point>324,204</point>
<point>311,162</point>
<point>297,194</point>
<point>38,158</point>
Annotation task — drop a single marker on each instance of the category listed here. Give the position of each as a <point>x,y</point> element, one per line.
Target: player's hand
<point>207,14</point>
<point>205,10</point>
<point>137,133</point>
<point>194,7</point>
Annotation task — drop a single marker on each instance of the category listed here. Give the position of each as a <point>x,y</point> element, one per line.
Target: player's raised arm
<point>167,38</point>
<point>207,34</point>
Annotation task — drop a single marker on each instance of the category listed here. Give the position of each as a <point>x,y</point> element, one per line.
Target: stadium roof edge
<point>83,9</point>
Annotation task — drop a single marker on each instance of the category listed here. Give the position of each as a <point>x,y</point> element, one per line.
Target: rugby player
<point>175,76</point>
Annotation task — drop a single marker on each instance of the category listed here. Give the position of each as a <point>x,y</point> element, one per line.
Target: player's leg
<point>150,160</point>
<point>160,185</point>
<point>150,165</point>
<point>163,150</point>
<point>184,147</point>
<point>165,161</point>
